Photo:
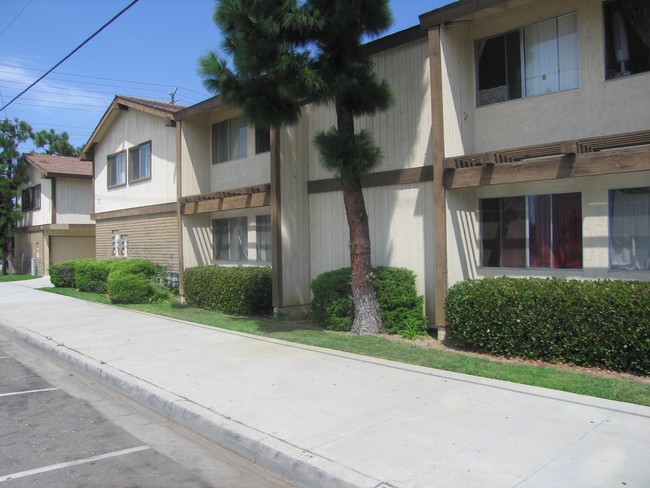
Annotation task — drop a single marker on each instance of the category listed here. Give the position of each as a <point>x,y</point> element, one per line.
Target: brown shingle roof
<point>60,165</point>
<point>163,107</point>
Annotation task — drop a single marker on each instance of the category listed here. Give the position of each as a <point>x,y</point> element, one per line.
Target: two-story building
<point>56,202</point>
<point>518,145</point>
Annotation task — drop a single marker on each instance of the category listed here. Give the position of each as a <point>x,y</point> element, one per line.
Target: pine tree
<point>50,142</point>
<point>12,174</point>
<point>287,53</point>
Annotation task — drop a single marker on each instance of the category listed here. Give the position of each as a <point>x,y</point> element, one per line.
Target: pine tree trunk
<point>367,319</point>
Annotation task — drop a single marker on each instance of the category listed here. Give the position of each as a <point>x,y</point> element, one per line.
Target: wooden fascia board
<point>455,11</point>
<point>204,106</point>
<point>252,200</point>
<point>135,212</point>
<point>551,168</point>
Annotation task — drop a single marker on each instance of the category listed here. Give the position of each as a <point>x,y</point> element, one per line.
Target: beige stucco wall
<point>463,227</point>
<point>128,129</point>
<point>596,107</point>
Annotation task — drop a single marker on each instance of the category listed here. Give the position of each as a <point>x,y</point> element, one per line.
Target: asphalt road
<point>60,429</point>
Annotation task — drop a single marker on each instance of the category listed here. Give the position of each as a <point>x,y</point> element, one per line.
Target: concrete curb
<point>291,463</point>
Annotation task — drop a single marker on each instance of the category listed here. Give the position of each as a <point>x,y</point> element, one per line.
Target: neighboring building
<point>133,150</point>
<point>56,203</point>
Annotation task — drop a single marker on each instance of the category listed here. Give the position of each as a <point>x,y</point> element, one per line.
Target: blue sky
<point>146,53</point>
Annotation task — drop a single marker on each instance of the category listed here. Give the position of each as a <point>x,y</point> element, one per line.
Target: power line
<point>69,55</point>
<point>14,19</point>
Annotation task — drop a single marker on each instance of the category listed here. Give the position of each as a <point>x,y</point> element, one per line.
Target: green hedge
<point>400,306</point>
<point>588,323</point>
<point>125,287</point>
<point>62,274</point>
<point>241,290</point>
<point>91,274</point>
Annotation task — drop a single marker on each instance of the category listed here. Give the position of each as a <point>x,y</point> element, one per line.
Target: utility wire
<point>14,19</point>
<point>69,55</point>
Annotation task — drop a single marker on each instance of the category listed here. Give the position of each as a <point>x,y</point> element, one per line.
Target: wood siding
<point>151,237</point>
<point>74,200</point>
<point>42,216</point>
<point>128,129</point>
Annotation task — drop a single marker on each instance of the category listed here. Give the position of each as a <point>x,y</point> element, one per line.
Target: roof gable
<point>52,166</point>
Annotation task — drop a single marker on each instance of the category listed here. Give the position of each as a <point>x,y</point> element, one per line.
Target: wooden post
<point>439,192</point>
<point>276,217</point>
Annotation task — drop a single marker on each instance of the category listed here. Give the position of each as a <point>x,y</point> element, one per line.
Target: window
<point>627,37</point>
<point>140,162</point>
<point>629,229</point>
<point>539,231</point>
<point>117,169</point>
<point>230,239</point>
<point>537,59</point>
<point>262,140</point>
<point>229,140</point>
<point>31,198</point>
<point>263,237</point>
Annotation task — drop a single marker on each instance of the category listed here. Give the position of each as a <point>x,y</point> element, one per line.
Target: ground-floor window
<point>263,236</point>
<point>230,239</point>
<point>536,231</point>
<point>629,229</point>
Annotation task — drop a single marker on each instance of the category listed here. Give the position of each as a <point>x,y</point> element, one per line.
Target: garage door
<point>66,248</point>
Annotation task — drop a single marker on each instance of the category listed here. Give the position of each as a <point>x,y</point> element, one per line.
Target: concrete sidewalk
<point>322,418</point>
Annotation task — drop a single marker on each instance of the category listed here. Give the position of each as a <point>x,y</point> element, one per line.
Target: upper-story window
<point>229,140</point>
<point>262,140</point>
<point>627,37</point>
<point>117,169</point>
<point>140,162</point>
<point>537,59</point>
<point>31,198</point>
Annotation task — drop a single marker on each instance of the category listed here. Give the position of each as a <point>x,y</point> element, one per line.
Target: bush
<point>400,306</point>
<point>91,274</point>
<point>124,287</point>
<point>588,323</point>
<point>139,266</point>
<point>62,274</point>
<point>231,290</point>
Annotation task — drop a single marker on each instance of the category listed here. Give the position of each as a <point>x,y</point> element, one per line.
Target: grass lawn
<point>574,380</point>
<point>7,278</point>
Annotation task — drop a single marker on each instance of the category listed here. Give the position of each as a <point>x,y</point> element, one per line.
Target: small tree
<point>12,174</point>
<point>286,53</point>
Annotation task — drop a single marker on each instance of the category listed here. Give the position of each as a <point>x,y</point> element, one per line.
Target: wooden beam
<point>276,220</point>
<point>551,168</point>
<point>439,193</point>
<point>252,200</point>
<point>384,178</point>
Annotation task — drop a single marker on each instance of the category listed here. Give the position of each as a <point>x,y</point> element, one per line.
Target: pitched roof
<point>152,104</point>
<point>52,166</point>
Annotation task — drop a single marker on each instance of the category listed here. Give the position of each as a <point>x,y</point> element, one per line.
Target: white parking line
<point>53,467</point>
<point>27,391</point>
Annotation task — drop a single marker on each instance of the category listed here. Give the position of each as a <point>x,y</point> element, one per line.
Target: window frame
<point>636,49</point>
<point>522,78</point>
<point>610,231</point>
<point>133,151</point>
<point>216,243</point>
<point>263,236</point>
<point>29,197</point>
<point>262,140</point>
<point>109,172</point>
<point>241,146</point>
<point>554,238</point>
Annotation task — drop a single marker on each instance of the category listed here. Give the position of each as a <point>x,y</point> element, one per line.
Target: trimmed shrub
<point>62,274</point>
<point>241,290</point>
<point>91,274</point>
<point>125,287</point>
<point>400,306</point>
<point>139,266</point>
<point>588,323</point>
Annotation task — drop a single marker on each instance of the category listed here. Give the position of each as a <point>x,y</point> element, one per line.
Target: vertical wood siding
<point>131,128</point>
<point>152,237</point>
<point>43,215</point>
<point>74,201</point>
